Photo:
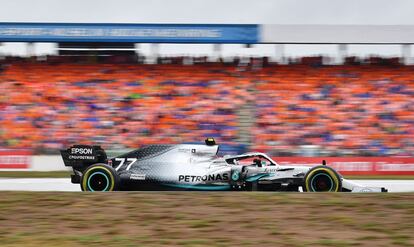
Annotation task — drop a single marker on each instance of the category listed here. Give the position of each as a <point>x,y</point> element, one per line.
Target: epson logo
<point>81,150</point>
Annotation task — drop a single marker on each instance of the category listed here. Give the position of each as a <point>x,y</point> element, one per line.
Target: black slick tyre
<point>322,179</point>
<point>100,177</point>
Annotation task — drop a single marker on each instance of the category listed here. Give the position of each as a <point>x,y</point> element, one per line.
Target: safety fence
<point>357,165</point>
<point>15,159</point>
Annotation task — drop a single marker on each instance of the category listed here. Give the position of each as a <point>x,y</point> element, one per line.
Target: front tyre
<point>99,177</point>
<point>322,179</point>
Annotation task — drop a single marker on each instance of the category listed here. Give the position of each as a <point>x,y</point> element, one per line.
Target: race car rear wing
<point>80,157</point>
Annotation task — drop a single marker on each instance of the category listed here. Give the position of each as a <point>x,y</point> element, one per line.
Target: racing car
<point>197,167</point>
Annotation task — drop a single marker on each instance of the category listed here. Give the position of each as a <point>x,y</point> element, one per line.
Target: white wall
<point>380,50</point>
<point>21,49</point>
<point>48,163</point>
<point>304,50</point>
<point>329,33</point>
<point>274,51</point>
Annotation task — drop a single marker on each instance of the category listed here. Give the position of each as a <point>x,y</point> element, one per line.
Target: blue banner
<point>137,33</point>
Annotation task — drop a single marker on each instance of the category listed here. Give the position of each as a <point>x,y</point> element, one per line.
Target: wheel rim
<point>322,182</point>
<point>98,181</point>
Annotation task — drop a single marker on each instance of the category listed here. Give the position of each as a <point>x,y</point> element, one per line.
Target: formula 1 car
<point>197,167</point>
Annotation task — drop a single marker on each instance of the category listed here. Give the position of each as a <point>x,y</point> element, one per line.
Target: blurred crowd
<point>336,110</point>
<point>296,109</point>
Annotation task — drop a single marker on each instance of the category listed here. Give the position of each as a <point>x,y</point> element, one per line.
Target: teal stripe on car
<point>257,177</point>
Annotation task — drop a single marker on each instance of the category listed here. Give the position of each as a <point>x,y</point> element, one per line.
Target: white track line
<point>38,184</point>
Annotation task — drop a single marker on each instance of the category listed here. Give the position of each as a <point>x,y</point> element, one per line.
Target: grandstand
<point>285,109</point>
<point>100,88</point>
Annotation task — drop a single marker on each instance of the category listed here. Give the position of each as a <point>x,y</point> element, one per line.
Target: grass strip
<point>205,219</point>
<point>35,174</point>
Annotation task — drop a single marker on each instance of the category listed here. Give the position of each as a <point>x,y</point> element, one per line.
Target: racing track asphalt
<point>64,184</point>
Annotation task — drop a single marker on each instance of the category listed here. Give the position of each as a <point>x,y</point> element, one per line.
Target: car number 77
<point>122,162</point>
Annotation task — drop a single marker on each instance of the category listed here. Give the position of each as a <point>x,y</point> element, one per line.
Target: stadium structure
<point>311,106</point>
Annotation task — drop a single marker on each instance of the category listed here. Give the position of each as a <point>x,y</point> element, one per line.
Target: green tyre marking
<point>95,173</point>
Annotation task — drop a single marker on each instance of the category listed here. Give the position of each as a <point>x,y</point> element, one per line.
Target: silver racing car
<point>197,167</point>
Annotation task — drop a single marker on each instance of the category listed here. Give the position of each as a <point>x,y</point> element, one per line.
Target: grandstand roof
<point>137,33</point>
<point>206,33</point>
<point>337,34</point>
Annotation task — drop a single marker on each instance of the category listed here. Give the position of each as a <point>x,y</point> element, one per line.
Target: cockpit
<point>251,159</point>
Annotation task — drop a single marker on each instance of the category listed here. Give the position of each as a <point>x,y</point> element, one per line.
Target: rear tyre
<point>322,179</point>
<point>99,177</point>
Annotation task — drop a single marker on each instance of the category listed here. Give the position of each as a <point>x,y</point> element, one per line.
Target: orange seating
<point>339,109</point>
